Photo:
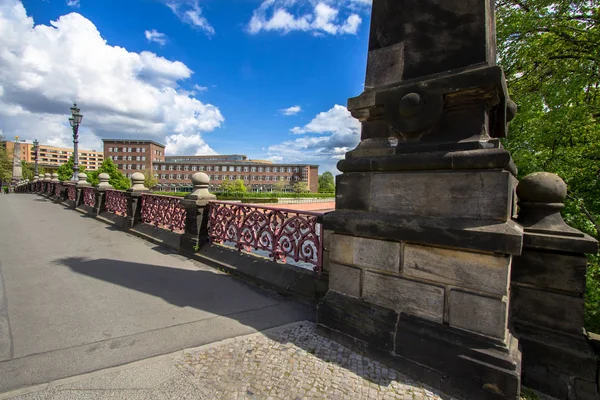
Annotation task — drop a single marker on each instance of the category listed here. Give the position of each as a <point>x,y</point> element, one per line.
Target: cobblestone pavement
<point>295,362</point>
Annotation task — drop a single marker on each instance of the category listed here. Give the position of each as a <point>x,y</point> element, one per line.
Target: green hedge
<point>257,197</point>
<point>252,195</point>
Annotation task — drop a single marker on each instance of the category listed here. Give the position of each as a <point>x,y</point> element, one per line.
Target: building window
<point>178,176</point>
<point>163,176</point>
<point>260,169</point>
<point>231,169</point>
<point>129,150</point>
<point>209,168</point>
<point>268,169</point>
<point>217,177</point>
<point>163,167</point>
<point>275,169</point>
<point>232,177</point>
<point>267,178</point>
<point>296,169</point>
<point>253,169</point>
<point>289,169</point>
<point>143,149</point>
<point>217,168</point>
<point>238,169</point>
<point>170,168</point>
<point>186,168</point>
<point>143,158</point>
<point>179,168</point>
<point>245,169</point>
<point>143,166</point>
<point>194,168</point>
<point>253,177</point>
<point>282,178</point>
<point>110,149</point>
<point>138,150</point>
<point>289,178</point>
<point>170,176</point>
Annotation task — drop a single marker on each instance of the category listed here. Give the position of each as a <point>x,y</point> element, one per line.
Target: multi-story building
<point>52,157</point>
<point>174,173</point>
<point>133,155</point>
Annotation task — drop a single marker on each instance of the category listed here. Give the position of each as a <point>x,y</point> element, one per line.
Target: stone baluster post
<point>134,199</point>
<point>54,181</point>
<point>197,213</point>
<point>548,286</point>
<point>81,183</point>
<point>422,237</point>
<point>35,185</point>
<point>47,179</point>
<point>100,205</point>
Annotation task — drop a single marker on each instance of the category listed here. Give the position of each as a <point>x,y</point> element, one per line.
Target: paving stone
<point>294,362</point>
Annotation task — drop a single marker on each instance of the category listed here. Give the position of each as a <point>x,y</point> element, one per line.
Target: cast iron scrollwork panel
<point>283,233</point>
<point>89,196</point>
<point>163,211</point>
<point>71,192</point>
<point>116,202</point>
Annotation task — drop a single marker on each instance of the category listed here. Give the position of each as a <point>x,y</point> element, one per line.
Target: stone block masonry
<point>450,286</point>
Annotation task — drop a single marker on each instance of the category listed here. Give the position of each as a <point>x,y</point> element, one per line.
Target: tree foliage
<point>550,52</point>
<point>149,180</point>
<point>5,165</point>
<point>233,186</point>
<point>65,171</point>
<point>117,179</point>
<point>300,187</point>
<point>326,183</point>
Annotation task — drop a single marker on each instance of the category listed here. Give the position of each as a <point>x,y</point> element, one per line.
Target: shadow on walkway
<point>208,291</point>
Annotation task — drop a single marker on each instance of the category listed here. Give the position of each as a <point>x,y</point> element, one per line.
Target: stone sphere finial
<point>200,181</point>
<point>36,178</point>
<point>47,176</point>
<point>137,182</point>
<point>542,187</point>
<point>54,178</point>
<point>104,178</point>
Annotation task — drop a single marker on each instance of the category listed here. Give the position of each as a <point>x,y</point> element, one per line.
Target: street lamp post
<point>75,121</point>
<point>36,148</point>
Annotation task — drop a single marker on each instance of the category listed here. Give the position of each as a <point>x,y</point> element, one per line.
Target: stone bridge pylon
<point>424,235</point>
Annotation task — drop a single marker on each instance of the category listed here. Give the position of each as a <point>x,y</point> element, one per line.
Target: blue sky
<point>266,78</point>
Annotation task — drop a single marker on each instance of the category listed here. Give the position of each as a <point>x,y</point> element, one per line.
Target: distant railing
<point>116,202</point>
<point>57,189</point>
<point>281,232</point>
<point>89,196</point>
<point>163,211</point>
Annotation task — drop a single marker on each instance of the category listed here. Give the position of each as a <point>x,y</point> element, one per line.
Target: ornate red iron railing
<point>71,192</point>
<point>281,232</point>
<point>89,196</point>
<point>57,189</point>
<point>116,202</point>
<point>163,211</point>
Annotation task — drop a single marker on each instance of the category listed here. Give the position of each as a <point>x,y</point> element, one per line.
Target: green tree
<point>279,186</point>
<point>300,187</point>
<point>326,183</point>
<point>550,52</point>
<point>65,171</point>
<point>149,180</point>
<point>117,179</point>
<point>239,186</point>
<point>5,166</point>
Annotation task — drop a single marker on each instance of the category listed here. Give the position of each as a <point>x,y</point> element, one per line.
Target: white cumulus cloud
<point>334,17</point>
<point>190,12</point>
<point>337,133</point>
<point>122,94</point>
<point>73,3</point>
<point>156,37</point>
<point>293,110</point>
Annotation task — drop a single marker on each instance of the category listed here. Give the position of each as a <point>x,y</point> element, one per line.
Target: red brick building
<point>258,175</point>
<point>133,155</point>
<point>174,172</point>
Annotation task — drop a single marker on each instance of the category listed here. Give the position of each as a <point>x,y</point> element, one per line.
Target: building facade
<point>174,173</point>
<point>133,155</point>
<point>52,157</point>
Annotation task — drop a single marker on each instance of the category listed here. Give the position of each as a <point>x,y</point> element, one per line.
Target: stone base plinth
<point>461,364</point>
